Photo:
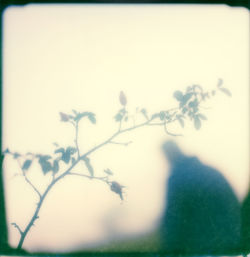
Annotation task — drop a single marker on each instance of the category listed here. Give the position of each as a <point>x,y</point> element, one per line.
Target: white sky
<point>63,57</point>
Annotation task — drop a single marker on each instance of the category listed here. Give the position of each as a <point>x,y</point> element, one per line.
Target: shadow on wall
<point>202,214</point>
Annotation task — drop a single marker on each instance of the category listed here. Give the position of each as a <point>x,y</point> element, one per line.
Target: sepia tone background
<point>58,58</point>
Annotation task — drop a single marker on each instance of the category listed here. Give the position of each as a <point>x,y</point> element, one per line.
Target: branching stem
<point>119,143</point>
<point>68,171</point>
<point>104,179</point>
<point>28,181</point>
<point>17,227</point>
<point>76,139</point>
<point>169,133</point>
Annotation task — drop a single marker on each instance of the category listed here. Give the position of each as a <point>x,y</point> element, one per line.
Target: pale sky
<point>62,57</point>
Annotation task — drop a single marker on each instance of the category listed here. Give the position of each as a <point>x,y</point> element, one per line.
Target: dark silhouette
<point>202,213</point>
<point>3,226</point>
<point>245,217</point>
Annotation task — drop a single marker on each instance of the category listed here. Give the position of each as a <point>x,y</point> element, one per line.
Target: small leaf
<point>60,150</point>
<point>213,92</point>
<point>168,116</point>
<point>126,118</point>
<point>220,82</point>
<point>108,171</point>
<point>123,99</point>
<point>193,104</point>
<point>71,150</point>
<point>64,117</point>
<point>155,115</point>
<point>74,111</point>
<point>73,160</point>
<point>45,165</point>
<point>195,109</point>
<point>88,165</point>
<point>79,116</point>
<point>55,167</point>
<point>6,151</point>
<point>26,164</point>
<point>45,157</point>
<point>225,91</point>
<point>117,188</point>
<point>201,116</point>
<point>66,157</point>
<point>118,117</point>
<point>91,117</point>
<point>181,122</point>
<point>16,155</point>
<point>162,115</point>
<point>186,97</point>
<point>197,122</point>
<point>145,113</point>
<point>184,110</point>
<point>178,95</point>
<point>197,86</point>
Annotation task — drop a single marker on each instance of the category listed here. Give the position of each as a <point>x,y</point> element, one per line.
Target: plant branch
<point>76,140</point>
<point>39,205</point>
<point>17,227</point>
<point>169,133</point>
<point>119,143</point>
<point>28,181</point>
<point>104,179</point>
<point>156,124</point>
<point>120,125</point>
<point>68,172</point>
<point>135,127</point>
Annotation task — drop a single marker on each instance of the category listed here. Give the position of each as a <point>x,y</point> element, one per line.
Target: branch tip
<point>171,134</point>
<point>17,227</point>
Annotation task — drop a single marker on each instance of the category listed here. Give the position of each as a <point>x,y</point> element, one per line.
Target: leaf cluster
<point>77,116</point>
<point>190,103</point>
<point>121,115</point>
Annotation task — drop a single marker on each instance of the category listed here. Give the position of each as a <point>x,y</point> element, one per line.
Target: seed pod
<point>123,99</point>
<point>64,117</point>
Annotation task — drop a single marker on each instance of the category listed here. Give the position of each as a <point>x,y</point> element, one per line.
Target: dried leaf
<point>123,99</point>
<point>64,117</point>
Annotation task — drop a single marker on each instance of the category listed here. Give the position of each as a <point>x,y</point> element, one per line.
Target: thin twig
<point>28,181</point>
<point>39,205</point>
<point>169,133</point>
<point>17,227</point>
<point>119,143</point>
<point>120,125</point>
<point>104,179</point>
<point>76,140</point>
<point>156,124</point>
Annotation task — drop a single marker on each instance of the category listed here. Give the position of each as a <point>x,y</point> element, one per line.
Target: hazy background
<point>63,57</point>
